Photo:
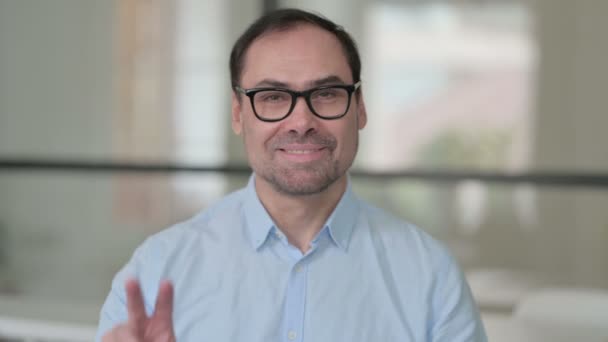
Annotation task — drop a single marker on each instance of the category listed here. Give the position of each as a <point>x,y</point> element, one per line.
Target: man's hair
<point>285,19</point>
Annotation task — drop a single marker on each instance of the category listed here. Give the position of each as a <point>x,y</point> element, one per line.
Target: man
<point>294,256</point>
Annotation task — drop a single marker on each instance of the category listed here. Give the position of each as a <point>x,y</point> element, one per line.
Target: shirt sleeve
<point>114,309</point>
<point>456,317</point>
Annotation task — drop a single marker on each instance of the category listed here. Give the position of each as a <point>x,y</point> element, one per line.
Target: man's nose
<point>301,118</point>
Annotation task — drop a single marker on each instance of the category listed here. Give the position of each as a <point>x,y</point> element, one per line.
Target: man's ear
<point>237,120</point>
<point>362,112</point>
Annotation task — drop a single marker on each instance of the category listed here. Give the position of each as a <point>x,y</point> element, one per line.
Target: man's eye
<point>326,95</point>
<point>274,97</point>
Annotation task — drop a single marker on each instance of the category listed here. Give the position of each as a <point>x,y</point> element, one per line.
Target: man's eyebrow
<point>332,79</point>
<point>267,82</point>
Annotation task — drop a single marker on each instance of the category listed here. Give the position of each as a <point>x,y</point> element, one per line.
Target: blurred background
<point>487,128</point>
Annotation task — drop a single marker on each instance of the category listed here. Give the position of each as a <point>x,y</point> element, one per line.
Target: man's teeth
<point>300,151</point>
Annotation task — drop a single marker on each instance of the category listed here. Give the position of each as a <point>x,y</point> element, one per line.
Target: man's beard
<point>302,179</point>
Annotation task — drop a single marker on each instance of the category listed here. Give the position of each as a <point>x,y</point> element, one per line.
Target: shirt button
<point>292,335</point>
<point>299,269</point>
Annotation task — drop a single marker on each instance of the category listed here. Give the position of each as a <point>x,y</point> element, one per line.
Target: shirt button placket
<point>296,299</point>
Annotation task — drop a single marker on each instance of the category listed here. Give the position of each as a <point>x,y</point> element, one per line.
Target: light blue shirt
<point>368,276</point>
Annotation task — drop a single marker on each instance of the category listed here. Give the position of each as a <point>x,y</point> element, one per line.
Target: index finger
<point>135,305</point>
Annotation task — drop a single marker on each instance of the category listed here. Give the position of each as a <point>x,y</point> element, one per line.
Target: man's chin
<point>302,184</point>
<point>299,191</point>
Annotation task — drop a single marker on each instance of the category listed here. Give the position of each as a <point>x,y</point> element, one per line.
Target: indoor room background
<point>487,128</point>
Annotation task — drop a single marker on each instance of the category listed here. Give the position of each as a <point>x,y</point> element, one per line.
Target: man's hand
<point>139,327</point>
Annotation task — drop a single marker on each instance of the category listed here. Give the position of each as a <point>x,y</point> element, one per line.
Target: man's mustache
<point>312,138</point>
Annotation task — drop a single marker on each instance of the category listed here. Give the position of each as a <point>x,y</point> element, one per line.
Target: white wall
<point>570,131</point>
<point>56,74</point>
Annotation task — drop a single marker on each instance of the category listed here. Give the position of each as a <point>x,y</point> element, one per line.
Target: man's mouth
<point>307,151</point>
<point>303,154</point>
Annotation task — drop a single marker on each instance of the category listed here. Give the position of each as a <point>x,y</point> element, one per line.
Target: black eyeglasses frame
<point>350,88</point>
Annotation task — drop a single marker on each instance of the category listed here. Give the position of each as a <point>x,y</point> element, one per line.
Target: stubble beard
<point>304,179</point>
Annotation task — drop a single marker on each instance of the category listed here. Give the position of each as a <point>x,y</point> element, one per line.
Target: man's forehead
<point>313,82</point>
<point>287,32</point>
<point>302,56</point>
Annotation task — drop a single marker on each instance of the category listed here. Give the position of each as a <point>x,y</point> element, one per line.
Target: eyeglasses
<point>328,102</point>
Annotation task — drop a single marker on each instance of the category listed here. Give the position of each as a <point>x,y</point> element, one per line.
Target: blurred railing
<point>545,178</point>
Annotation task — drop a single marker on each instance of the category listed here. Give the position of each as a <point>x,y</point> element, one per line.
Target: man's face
<point>301,154</point>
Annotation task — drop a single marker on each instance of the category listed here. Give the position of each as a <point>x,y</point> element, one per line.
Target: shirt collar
<point>342,220</point>
<point>258,221</point>
<point>339,225</point>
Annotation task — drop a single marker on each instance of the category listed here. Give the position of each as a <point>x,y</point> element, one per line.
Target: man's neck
<point>300,218</point>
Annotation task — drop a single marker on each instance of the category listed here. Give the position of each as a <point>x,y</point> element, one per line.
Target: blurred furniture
<point>564,314</point>
<point>23,318</point>
<point>14,329</point>
<point>553,315</point>
<point>503,328</point>
<point>498,290</point>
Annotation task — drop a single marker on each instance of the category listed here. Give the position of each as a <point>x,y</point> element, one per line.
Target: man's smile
<point>303,152</point>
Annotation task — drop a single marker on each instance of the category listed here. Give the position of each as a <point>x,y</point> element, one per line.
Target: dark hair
<point>284,19</point>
